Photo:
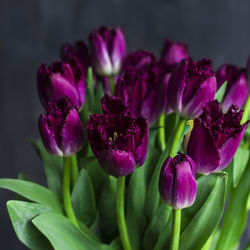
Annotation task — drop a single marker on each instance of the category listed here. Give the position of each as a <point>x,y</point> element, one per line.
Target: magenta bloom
<point>215,138</point>
<point>237,87</point>
<point>118,141</point>
<point>142,90</point>
<point>173,53</point>
<point>78,52</point>
<point>191,86</point>
<point>107,50</point>
<point>61,129</point>
<point>138,59</point>
<point>177,184</point>
<point>61,79</point>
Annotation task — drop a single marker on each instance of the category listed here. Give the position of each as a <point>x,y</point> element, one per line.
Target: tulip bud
<point>61,79</point>
<point>191,86</point>
<point>61,129</point>
<point>215,138</point>
<point>117,140</point>
<point>107,50</point>
<point>142,90</point>
<point>173,53</point>
<point>138,59</point>
<point>177,184</point>
<point>78,52</point>
<point>237,87</point>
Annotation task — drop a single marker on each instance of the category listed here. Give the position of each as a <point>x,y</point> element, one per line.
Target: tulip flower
<point>107,50</point>
<point>215,138</point>
<point>138,59</point>
<point>173,53</point>
<point>61,129</point>
<point>78,52</point>
<point>118,141</point>
<point>61,79</point>
<point>190,87</point>
<point>142,90</point>
<point>177,184</point>
<point>237,87</point>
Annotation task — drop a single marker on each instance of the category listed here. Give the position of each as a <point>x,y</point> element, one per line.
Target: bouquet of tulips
<point>139,152</point>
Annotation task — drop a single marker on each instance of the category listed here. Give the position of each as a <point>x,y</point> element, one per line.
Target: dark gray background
<point>32,31</point>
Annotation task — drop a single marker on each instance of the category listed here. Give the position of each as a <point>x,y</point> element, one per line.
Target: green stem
<point>120,213</point>
<point>246,110</point>
<point>161,239</point>
<point>90,89</point>
<point>161,132</point>
<point>112,85</point>
<point>177,136</point>
<point>176,229</point>
<point>74,168</point>
<point>66,191</point>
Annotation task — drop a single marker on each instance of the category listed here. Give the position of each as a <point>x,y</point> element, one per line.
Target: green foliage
<point>221,91</point>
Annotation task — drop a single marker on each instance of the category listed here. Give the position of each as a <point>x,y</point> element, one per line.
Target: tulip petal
<point>176,86</point>
<point>236,94</point>
<point>229,148</point>
<point>202,150</point>
<point>184,192</point>
<point>204,93</point>
<point>117,162</point>
<point>118,51</point>
<point>141,141</point>
<point>100,55</point>
<point>48,137</point>
<point>72,133</point>
<point>62,87</point>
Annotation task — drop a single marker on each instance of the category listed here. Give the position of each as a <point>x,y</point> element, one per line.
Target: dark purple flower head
<point>78,52</point>
<point>237,87</point>
<point>137,59</point>
<point>107,50</point>
<point>61,79</point>
<point>61,129</point>
<point>177,184</point>
<point>191,86</point>
<point>215,137</point>
<point>173,53</point>
<point>118,140</point>
<point>142,90</point>
<point>113,105</point>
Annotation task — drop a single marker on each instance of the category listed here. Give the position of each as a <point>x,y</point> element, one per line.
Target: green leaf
<point>53,166</point>
<point>107,210</point>
<point>239,164</point>
<point>220,93</point>
<point>135,216</point>
<point>116,244</point>
<point>200,220</point>
<point>21,213</point>
<point>156,226</point>
<point>235,217</point>
<point>62,234</point>
<point>83,198</point>
<point>98,96</point>
<point>33,192</point>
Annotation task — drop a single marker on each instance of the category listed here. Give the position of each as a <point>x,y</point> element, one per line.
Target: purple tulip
<point>215,138</point>
<point>78,52</point>
<point>138,59</point>
<point>191,86</point>
<point>177,184</point>
<point>173,53</point>
<point>142,90</point>
<point>237,87</point>
<point>61,79</point>
<point>107,50</point>
<point>118,140</point>
<point>61,129</point>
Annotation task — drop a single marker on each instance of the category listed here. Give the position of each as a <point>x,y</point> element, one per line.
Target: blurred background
<point>32,32</point>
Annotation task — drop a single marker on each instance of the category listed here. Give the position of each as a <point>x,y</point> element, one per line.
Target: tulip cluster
<point>106,113</point>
